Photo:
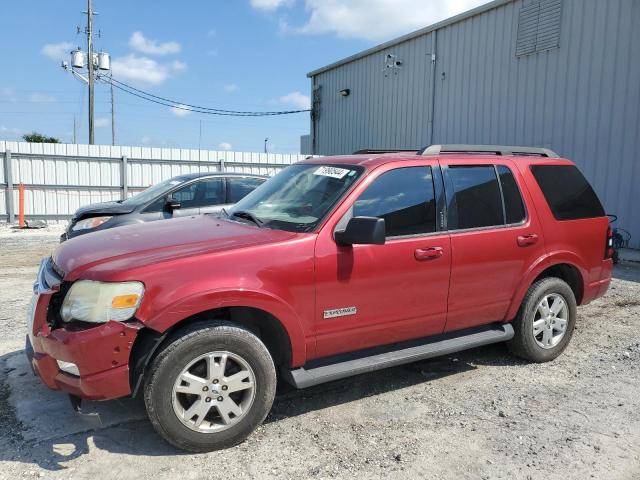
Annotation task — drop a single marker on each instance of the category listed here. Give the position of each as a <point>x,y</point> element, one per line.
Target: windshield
<point>298,197</point>
<point>151,192</point>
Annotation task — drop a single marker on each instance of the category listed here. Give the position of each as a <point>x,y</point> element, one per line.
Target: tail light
<point>608,249</point>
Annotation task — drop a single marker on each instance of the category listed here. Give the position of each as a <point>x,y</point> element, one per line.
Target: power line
<point>189,107</point>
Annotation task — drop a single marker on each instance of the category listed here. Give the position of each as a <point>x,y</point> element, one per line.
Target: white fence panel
<point>60,178</point>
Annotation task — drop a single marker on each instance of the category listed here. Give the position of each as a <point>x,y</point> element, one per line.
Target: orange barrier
<point>21,204</point>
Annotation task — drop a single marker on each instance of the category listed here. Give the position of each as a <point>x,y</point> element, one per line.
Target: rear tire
<point>210,387</point>
<point>546,320</point>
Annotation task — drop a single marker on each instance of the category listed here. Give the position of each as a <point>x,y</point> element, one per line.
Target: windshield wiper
<point>249,216</point>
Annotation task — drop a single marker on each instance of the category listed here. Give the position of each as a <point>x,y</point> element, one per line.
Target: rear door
<point>494,239</point>
<point>369,295</point>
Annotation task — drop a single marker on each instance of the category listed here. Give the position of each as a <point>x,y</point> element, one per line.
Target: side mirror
<point>362,231</point>
<point>172,204</point>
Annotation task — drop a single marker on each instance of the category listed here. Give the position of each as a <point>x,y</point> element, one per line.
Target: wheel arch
<point>564,267</point>
<point>262,323</point>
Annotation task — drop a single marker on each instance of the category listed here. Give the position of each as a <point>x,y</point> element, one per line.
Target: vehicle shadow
<point>629,271</point>
<point>134,436</point>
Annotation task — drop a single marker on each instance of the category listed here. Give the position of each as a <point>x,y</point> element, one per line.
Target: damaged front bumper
<point>90,363</point>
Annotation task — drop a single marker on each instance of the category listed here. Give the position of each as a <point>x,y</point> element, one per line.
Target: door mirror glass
<point>362,231</point>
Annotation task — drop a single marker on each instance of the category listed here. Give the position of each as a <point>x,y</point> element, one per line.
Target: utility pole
<point>90,65</point>
<point>265,144</point>
<point>113,116</point>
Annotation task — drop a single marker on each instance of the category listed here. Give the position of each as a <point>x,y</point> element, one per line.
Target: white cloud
<point>36,97</point>
<point>376,19</point>
<point>8,94</point>
<point>57,51</point>
<point>180,112</point>
<point>101,122</point>
<point>143,70</point>
<point>11,132</point>
<point>270,4</point>
<point>225,146</point>
<point>296,99</point>
<point>230,87</point>
<point>152,47</point>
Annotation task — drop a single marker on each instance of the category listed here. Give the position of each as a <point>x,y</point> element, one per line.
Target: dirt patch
<point>480,414</point>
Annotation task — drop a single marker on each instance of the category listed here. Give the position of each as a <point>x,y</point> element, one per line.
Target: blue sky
<point>229,54</point>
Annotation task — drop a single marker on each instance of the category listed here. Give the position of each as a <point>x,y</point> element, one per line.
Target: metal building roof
<point>436,26</point>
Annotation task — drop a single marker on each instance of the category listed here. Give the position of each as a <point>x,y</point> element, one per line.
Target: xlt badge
<point>340,312</point>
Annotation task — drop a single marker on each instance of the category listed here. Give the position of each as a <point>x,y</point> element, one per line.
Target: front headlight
<point>98,302</point>
<point>89,223</point>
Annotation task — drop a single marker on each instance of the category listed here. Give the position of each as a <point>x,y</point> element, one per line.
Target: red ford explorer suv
<point>336,266</point>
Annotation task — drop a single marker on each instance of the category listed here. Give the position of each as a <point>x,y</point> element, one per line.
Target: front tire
<point>210,387</point>
<point>546,320</point>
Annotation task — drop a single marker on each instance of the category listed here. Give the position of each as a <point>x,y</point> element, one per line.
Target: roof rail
<point>373,151</point>
<point>495,149</point>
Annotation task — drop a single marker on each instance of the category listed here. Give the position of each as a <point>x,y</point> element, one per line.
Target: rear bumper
<point>598,288</point>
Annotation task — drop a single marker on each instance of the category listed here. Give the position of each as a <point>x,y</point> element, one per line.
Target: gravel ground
<point>480,414</point>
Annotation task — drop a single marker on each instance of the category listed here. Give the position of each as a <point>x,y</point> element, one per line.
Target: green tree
<point>35,137</point>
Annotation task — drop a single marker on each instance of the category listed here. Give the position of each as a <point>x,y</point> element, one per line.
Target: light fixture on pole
<point>88,66</point>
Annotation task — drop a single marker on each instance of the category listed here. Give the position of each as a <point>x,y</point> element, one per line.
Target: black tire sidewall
<point>170,363</point>
<point>528,346</point>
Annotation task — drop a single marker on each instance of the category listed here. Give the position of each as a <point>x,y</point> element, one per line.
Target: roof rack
<point>373,151</point>
<point>495,149</point>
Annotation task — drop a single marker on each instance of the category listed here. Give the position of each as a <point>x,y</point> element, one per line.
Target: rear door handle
<point>526,240</point>
<point>430,253</point>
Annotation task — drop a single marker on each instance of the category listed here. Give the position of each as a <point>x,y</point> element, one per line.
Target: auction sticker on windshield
<point>333,172</point>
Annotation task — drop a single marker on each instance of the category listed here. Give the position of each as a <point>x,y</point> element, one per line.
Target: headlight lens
<point>89,223</point>
<point>98,302</point>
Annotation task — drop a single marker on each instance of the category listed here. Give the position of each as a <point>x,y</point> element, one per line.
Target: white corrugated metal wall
<point>581,99</point>
<point>59,178</point>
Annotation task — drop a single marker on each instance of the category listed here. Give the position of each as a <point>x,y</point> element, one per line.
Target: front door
<point>369,295</point>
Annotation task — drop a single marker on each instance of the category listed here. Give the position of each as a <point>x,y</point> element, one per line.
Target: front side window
<point>298,198</point>
<point>186,196</point>
<point>238,188</point>
<point>210,192</point>
<point>476,201</point>
<point>404,197</point>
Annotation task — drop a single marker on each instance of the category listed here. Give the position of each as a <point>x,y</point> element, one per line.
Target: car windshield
<point>297,198</point>
<point>152,192</point>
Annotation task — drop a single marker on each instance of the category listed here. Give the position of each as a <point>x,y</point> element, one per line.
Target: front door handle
<point>526,240</point>
<point>430,253</point>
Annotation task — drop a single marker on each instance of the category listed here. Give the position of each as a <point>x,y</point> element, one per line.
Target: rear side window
<point>476,200</point>
<point>568,193</point>
<point>513,204</point>
<point>238,188</point>
<point>404,197</point>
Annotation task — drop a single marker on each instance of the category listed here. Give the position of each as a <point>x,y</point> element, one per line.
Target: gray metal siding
<point>384,108</point>
<point>581,99</point>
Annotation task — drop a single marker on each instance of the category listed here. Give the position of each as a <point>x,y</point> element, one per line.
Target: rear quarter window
<point>567,192</point>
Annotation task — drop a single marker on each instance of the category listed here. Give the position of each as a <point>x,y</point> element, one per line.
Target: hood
<point>124,248</point>
<point>105,208</point>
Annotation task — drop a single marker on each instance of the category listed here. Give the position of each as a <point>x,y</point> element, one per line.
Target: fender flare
<point>540,265</point>
<point>163,320</point>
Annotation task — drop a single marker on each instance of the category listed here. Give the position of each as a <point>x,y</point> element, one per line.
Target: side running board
<point>343,366</point>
